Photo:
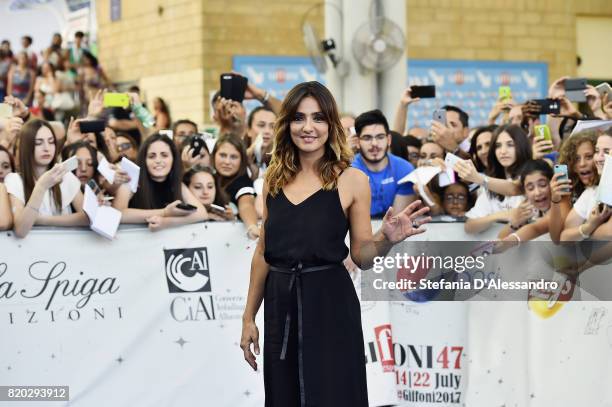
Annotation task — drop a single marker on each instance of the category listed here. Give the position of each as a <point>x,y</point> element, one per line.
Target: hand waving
<point>406,223</point>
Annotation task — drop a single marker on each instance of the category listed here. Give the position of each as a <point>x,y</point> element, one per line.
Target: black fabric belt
<point>296,273</point>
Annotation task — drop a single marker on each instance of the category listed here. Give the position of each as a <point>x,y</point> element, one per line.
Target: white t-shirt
<point>586,202</point>
<point>69,187</point>
<point>486,205</point>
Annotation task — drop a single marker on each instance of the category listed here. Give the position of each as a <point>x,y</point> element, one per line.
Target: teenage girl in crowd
<point>230,161</point>
<point>510,149</point>
<point>43,192</point>
<point>204,186</point>
<point>479,146</point>
<point>532,217</point>
<point>586,215</point>
<point>6,217</point>
<point>160,189</point>
<point>7,165</point>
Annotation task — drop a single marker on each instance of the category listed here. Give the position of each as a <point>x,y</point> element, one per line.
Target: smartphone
<point>219,210</point>
<point>439,115</point>
<point>92,126</point>
<point>94,186</point>
<point>561,169</point>
<point>574,89</point>
<point>71,164</point>
<point>544,131</point>
<point>197,143</point>
<point>6,111</point>
<point>233,86</point>
<point>548,106</point>
<point>604,89</point>
<point>186,207</point>
<point>116,100</point>
<point>423,92</point>
<point>504,93</point>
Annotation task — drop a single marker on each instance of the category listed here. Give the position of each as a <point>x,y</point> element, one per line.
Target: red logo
<point>281,75</point>
<point>459,79</point>
<point>384,340</point>
<point>505,78</point>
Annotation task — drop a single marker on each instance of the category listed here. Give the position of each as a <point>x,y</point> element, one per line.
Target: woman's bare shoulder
<point>352,175</point>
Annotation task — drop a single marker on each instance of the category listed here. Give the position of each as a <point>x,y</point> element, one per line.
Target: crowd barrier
<point>154,319</point>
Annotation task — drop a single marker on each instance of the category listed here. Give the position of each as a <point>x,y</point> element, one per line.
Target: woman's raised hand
<point>406,223</point>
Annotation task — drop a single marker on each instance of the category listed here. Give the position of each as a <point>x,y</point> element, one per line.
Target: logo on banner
<point>384,341</point>
<point>187,270</point>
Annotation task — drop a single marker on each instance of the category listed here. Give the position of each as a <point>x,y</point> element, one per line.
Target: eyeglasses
<point>123,146</point>
<point>455,198</point>
<point>368,139</point>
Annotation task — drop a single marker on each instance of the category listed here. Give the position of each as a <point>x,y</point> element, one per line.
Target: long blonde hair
<point>285,163</point>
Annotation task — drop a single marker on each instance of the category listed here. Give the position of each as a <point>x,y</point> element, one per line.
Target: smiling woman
<point>160,189</point>
<point>230,160</point>
<point>313,352</point>
<point>509,150</point>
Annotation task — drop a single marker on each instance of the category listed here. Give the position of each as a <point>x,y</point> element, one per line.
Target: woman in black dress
<point>314,352</point>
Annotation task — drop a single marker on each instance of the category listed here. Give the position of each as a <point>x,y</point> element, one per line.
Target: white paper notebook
<point>421,175</point>
<point>104,220</point>
<point>604,190</point>
<point>106,171</point>
<point>133,171</point>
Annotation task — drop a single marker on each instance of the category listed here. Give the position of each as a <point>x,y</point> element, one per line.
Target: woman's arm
<point>246,210</point>
<point>131,215</point>
<point>558,214</point>
<point>188,217</point>
<point>25,216</point>
<point>31,87</point>
<point>576,229</point>
<point>478,225</point>
<point>6,217</point>
<point>257,280</point>
<point>560,206</point>
<point>527,232</point>
<point>79,218</point>
<point>603,232</point>
<point>467,171</point>
<point>365,245</point>
<point>9,81</point>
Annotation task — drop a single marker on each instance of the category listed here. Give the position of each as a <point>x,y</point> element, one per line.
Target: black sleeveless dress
<point>313,342</point>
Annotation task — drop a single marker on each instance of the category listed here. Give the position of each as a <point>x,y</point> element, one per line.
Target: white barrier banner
<point>154,319</point>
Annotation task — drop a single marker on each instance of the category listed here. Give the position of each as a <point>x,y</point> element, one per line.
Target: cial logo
<point>187,270</point>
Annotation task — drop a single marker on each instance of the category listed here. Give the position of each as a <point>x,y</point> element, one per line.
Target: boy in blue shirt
<point>382,168</point>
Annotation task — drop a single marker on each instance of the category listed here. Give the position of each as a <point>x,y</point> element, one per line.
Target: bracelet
<point>517,237</point>
<point>582,234</point>
<point>485,182</point>
<point>555,202</point>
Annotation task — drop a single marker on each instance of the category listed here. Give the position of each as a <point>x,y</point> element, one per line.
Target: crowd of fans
<point>502,171</point>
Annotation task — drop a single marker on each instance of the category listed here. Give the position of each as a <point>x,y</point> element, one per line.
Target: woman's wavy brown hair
<point>285,163</point>
<point>567,155</point>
